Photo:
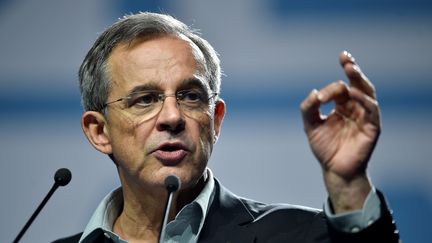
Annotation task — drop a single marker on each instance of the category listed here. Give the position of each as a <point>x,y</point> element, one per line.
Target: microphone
<point>172,184</point>
<point>61,178</point>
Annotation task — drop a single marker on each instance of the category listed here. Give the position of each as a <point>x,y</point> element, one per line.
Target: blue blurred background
<point>281,48</point>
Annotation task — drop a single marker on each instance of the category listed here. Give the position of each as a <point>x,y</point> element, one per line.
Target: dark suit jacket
<point>235,219</point>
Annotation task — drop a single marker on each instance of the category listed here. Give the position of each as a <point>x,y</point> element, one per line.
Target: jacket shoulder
<point>260,209</point>
<point>70,239</point>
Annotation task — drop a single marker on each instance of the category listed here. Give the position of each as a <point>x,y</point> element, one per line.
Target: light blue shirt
<point>188,223</point>
<point>184,228</point>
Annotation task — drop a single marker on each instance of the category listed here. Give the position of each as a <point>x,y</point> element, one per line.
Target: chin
<point>188,177</point>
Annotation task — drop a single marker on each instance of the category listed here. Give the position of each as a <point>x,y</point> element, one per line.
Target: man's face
<point>172,142</point>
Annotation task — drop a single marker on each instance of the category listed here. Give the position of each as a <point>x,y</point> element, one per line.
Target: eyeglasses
<point>147,104</point>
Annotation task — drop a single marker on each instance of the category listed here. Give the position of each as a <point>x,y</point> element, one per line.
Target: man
<point>150,88</point>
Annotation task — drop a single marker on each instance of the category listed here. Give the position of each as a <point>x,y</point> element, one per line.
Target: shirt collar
<point>205,198</point>
<point>110,207</point>
<point>105,214</point>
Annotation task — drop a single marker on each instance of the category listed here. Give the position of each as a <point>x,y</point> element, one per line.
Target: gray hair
<point>94,80</point>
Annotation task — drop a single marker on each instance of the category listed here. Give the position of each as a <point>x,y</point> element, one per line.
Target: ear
<point>95,129</point>
<point>219,114</point>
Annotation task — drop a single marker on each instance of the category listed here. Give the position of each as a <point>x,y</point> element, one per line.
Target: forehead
<point>161,60</point>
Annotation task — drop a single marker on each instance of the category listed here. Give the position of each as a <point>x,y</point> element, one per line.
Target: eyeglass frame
<point>161,97</point>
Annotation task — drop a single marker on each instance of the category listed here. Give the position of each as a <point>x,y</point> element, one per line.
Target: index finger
<point>356,77</point>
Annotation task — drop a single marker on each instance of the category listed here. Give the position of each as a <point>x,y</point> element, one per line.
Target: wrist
<point>347,194</point>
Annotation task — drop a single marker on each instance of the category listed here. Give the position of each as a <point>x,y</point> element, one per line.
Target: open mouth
<point>170,148</point>
<point>170,154</point>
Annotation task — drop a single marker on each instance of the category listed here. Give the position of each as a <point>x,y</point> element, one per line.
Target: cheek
<point>205,130</point>
<point>128,138</point>
<point>131,128</point>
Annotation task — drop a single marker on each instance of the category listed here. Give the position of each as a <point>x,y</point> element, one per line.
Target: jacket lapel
<point>227,219</point>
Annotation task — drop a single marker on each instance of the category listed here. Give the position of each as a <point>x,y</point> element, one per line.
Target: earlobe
<point>219,114</point>
<point>94,126</point>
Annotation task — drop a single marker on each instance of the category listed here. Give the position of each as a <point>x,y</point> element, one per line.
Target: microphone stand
<point>172,184</point>
<point>35,214</point>
<point>61,178</point>
<point>166,215</point>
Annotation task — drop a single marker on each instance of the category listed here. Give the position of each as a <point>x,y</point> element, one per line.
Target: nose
<point>170,117</point>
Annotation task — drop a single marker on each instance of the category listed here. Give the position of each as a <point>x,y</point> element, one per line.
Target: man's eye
<point>191,96</point>
<point>144,99</point>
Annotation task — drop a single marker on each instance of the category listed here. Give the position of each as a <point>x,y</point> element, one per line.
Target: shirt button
<point>107,235</point>
<point>355,229</point>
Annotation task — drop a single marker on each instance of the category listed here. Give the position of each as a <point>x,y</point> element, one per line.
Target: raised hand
<point>344,140</point>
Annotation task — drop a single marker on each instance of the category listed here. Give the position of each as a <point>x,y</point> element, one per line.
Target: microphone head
<point>62,177</point>
<point>172,183</point>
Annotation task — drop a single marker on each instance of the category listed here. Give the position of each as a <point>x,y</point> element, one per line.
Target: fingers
<point>340,93</point>
<point>356,100</point>
<point>356,77</point>
<point>370,106</point>
<point>349,102</point>
<point>337,91</point>
<point>346,98</point>
<point>310,111</point>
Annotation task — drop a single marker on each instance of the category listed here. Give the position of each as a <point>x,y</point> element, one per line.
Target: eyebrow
<point>193,82</point>
<point>144,87</point>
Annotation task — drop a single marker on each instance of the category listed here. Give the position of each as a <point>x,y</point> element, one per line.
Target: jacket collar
<point>227,219</point>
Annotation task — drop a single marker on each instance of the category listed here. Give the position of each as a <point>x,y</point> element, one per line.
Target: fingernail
<point>352,59</point>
